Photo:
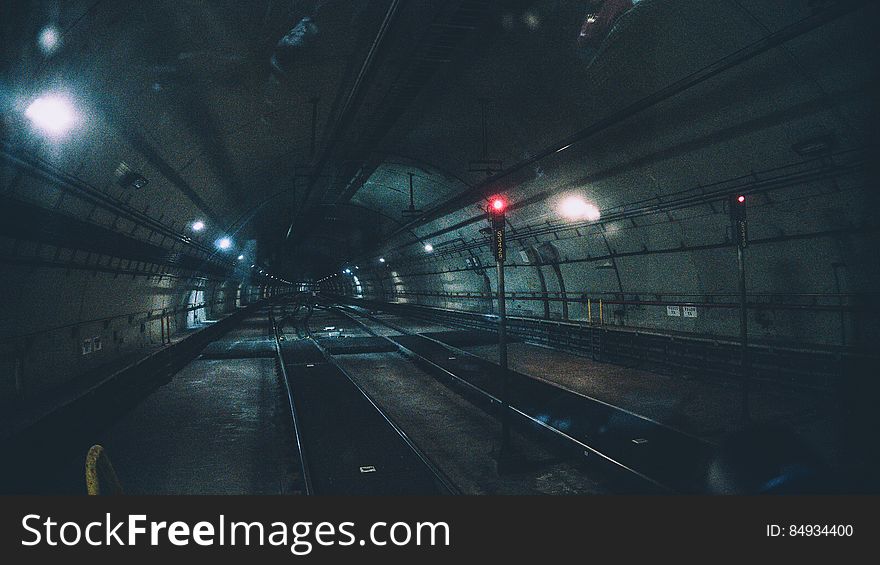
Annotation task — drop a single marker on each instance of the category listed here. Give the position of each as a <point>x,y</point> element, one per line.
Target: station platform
<point>219,427</point>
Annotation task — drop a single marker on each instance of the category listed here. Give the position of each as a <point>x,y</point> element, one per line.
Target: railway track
<point>647,455</point>
<point>347,444</point>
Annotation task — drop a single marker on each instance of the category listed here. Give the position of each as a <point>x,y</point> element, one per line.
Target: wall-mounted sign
<point>96,344</point>
<point>689,311</point>
<point>673,311</point>
<point>87,346</point>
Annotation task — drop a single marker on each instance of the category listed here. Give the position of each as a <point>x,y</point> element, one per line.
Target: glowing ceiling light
<point>224,243</point>
<point>561,149</point>
<point>198,225</point>
<point>241,257</point>
<point>429,248</point>
<point>52,114</point>
<point>49,40</point>
<point>381,259</point>
<point>576,208</point>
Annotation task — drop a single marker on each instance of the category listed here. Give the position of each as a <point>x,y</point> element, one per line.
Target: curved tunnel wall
<point>805,286</point>
<point>662,179</point>
<point>64,323</point>
<point>89,281</point>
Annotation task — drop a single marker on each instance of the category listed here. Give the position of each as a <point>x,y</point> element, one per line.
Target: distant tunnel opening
<point>358,288</point>
<point>195,309</point>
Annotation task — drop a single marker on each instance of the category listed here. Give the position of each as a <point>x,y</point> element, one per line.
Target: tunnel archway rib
<point>739,57</point>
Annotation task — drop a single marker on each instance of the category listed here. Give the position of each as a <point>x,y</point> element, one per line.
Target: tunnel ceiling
<point>214,103</point>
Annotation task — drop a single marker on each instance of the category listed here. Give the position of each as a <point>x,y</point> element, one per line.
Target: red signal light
<point>740,198</point>
<point>497,205</point>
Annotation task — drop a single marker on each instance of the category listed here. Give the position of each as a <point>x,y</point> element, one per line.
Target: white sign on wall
<point>690,311</point>
<point>673,311</point>
<point>87,346</point>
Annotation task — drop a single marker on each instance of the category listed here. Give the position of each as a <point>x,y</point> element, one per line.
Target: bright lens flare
<point>576,208</point>
<point>52,114</point>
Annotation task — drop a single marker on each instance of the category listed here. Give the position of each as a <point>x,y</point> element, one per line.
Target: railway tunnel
<point>462,247</point>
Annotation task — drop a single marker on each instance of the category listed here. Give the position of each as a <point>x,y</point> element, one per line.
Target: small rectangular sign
<point>689,311</point>
<point>498,243</point>
<point>741,233</point>
<point>87,346</point>
<point>673,311</point>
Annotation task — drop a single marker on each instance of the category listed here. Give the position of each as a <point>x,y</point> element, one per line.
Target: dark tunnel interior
<point>629,245</point>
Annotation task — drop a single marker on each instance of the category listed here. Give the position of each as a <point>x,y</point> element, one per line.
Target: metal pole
<point>505,379</point>
<point>743,333</point>
<point>314,101</point>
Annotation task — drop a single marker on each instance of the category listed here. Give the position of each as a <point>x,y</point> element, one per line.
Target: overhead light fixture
<point>429,248</point>
<point>561,149</point>
<point>127,178</point>
<point>381,259</point>
<point>224,243</point>
<point>241,257</point>
<point>576,208</point>
<point>49,40</point>
<point>198,225</point>
<point>52,114</point>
